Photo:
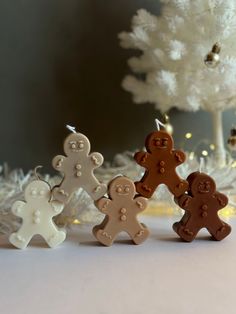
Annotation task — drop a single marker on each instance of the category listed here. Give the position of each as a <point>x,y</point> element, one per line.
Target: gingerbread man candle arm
<point>57,207</point>
<point>96,159</point>
<point>103,205</point>
<point>142,158</point>
<point>58,162</point>
<point>184,201</point>
<point>18,208</point>
<point>179,156</point>
<point>140,203</point>
<point>222,200</point>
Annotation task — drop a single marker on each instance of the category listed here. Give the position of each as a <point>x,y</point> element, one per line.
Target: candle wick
<point>201,164</point>
<point>158,124</point>
<point>71,128</point>
<point>36,173</point>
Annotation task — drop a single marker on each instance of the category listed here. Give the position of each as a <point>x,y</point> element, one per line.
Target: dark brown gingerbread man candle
<point>160,162</point>
<point>201,204</point>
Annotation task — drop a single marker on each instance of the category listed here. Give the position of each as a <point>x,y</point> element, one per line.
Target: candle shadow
<point>90,243</point>
<point>98,244</point>
<point>177,239</point>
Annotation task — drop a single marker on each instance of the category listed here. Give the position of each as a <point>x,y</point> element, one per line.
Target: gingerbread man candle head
<point>37,190</point>
<point>201,204</point>
<point>121,187</point>
<point>160,161</point>
<point>76,143</point>
<point>78,169</point>
<point>121,209</point>
<point>158,141</point>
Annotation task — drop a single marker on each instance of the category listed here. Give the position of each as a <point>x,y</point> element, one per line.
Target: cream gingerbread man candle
<point>77,168</point>
<point>37,212</point>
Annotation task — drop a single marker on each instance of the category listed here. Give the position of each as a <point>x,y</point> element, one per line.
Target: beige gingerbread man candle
<point>78,168</point>
<point>121,209</point>
<point>37,212</point>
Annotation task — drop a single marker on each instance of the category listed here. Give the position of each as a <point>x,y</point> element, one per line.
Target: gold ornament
<point>212,59</point>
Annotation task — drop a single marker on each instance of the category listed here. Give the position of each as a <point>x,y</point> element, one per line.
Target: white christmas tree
<point>177,65</point>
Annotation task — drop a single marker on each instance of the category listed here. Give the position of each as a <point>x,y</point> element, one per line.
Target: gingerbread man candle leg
<point>138,232</point>
<point>62,193</point>
<point>187,231</point>
<point>219,230</point>
<point>53,236</point>
<point>107,233</point>
<point>95,189</point>
<point>176,185</point>
<point>21,238</point>
<point>147,186</point>
<point>101,226</point>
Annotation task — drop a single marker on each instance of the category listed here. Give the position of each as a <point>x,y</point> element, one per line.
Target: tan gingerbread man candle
<point>78,168</point>
<point>160,161</point>
<point>121,209</point>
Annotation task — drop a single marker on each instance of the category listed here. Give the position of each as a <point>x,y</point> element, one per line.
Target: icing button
<point>36,220</point>
<point>162,170</point>
<point>78,166</point>
<point>36,213</point>
<point>123,218</point>
<point>123,210</point>
<point>162,163</point>
<point>78,173</point>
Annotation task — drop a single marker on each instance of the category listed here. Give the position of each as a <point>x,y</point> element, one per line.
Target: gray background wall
<point>60,62</point>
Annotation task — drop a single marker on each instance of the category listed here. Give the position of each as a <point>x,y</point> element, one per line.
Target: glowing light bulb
<point>204,153</point>
<point>191,156</point>
<point>188,135</point>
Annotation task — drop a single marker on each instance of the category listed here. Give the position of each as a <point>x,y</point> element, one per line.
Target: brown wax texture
<point>121,209</point>
<point>77,168</point>
<point>201,204</point>
<point>160,161</point>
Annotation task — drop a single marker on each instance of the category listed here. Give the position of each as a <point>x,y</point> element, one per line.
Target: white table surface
<point>163,275</point>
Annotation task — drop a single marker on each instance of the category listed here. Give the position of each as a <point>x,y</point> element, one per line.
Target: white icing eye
<point>126,189</point>
<point>42,192</point>
<point>34,192</point>
<point>73,145</point>
<point>118,189</point>
<point>81,144</point>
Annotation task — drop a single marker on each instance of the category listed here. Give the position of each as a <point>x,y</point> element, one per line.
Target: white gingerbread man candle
<point>37,212</point>
<point>77,167</point>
